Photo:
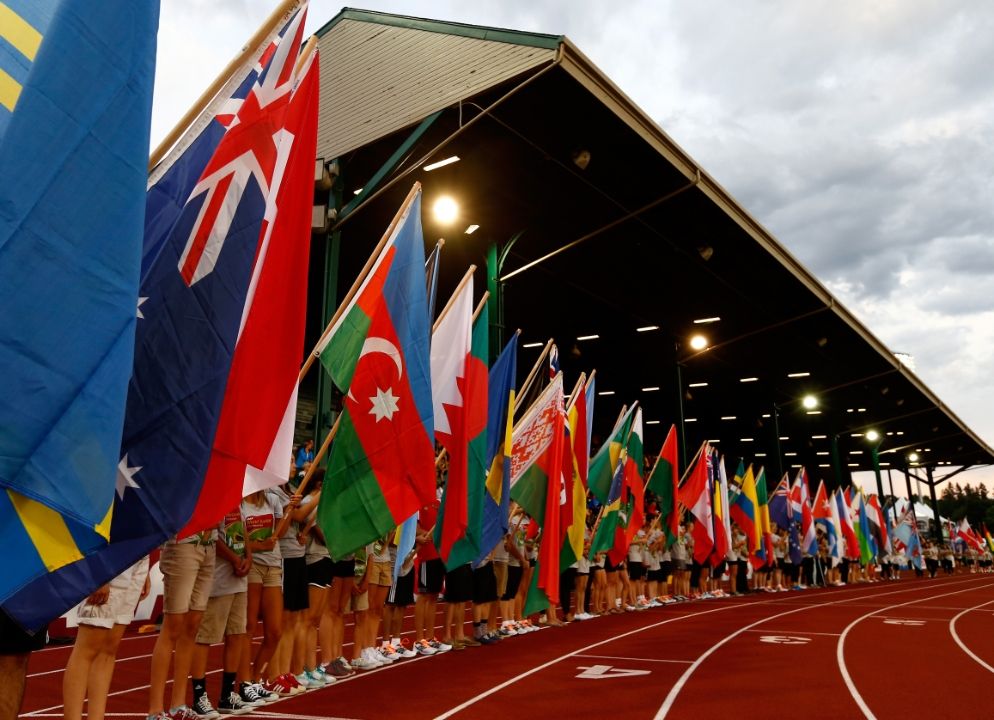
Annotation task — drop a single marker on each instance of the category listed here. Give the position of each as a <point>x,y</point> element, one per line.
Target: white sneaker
<point>389,651</point>
<point>364,663</point>
<point>405,651</point>
<point>373,655</point>
<point>422,647</point>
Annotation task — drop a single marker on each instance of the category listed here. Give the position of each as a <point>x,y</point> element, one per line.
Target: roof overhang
<point>643,236</point>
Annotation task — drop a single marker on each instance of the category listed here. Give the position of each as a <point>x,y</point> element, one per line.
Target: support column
<point>937,528</point>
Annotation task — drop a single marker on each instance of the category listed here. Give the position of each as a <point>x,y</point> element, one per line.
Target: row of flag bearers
<point>180,288</point>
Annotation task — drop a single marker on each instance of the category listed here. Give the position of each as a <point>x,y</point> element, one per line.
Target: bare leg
<point>13,670</point>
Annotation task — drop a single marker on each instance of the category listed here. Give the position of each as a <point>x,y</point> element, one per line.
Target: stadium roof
<point>615,230</point>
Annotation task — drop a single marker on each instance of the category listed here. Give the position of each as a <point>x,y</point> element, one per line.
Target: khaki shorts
<point>187,576</point>
<point>500,571</point>
<point>380,573</point>
<point>225,615</point>
<point>119,609</point>
<point>266,575</point>
<point>357,603</point>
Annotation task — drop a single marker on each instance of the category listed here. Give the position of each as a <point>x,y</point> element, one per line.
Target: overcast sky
<point>860,133</point>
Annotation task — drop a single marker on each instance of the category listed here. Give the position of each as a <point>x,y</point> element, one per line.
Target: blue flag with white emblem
<point>76,96</point>
<point>203,224</point>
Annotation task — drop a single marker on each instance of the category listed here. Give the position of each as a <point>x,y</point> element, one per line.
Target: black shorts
<point>655,575</point>
<point>402,592</point>
<point>484,584</point>
<point>781,563</point>
<point>430,576</point>
<point>343,568</point>
<point>719,569</point>
<point>636,570</point>
<point>514,573</point>
<point>295,584</point>
<point>459,584</point>
<point>611,567</point>
<point>665,569</point>
<point>15,641</point>
<point>319,574</point>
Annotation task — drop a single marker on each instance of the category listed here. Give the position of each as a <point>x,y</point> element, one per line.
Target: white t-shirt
<point>260,523</point>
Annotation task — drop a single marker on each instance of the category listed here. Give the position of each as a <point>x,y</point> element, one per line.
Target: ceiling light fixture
<point>810,402</point>
<point>698,342</point>
<point>587,337</point>
<point>647,328</point>
<point>651,422</point>
<point>650,389</point>
<point>748,379</point>
<point>707,320</point>
<point>698,384</point>
<point>727,417</point>
<point>441,163</point>
<point>533,344</point>
<point>687,420</point>
<point>445,210</point>
<point>798,374</point>
<point>606,392</point>
<point>472,229</point>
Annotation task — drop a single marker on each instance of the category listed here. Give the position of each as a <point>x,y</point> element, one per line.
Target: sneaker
<point>390,651</point>
<point>185,713</point>
<point>296,687</point>
<point>202,708</point>
<point>404,649</point>
<point>317,675</point>
<point>383,655</point>
<point>233,705</point>
<point>374,657</point>
<point>439,646</point>
<point>488,639</point>
<point>468,642</point>
<point>507,631</point>
<point>266,696</point>
<point>250,696</point>
<point>338,668</point>
<point>305,682</point>
<point>279,686</point>
<point>423,647</point>
<point>364,663</point>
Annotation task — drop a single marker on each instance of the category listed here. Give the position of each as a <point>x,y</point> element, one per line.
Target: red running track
<point>914,648</point>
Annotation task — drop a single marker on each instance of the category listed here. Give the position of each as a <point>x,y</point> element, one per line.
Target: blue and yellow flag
<point>500,411</point>
<point>75,110</point>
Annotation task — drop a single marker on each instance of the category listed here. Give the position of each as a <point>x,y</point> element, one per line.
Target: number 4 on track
<point>603,672</point>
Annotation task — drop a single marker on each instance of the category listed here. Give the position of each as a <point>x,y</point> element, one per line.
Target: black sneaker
<point>202,708</point>
<point>233,705</point>
<point>251,695</point>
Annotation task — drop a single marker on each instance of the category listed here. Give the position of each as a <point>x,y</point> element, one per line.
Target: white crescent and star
<point>384,403</point>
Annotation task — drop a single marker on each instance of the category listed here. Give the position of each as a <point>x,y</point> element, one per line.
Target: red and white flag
<point>253,445</point>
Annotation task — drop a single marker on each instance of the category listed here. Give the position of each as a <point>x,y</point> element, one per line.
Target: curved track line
<point>840,647</point>
<point>962,645</point>
<point>682,680</point>
<point>543,666</point>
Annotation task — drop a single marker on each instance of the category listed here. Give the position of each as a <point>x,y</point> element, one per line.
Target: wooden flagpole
<point>360,279</point>
<point>575,393</point>
<point>282,11</point>
<point>306,480</point>
<point>452,298</point>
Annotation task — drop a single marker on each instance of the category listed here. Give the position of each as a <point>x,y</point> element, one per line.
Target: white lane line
<point>791,632</point>
<point>962,645</point>
<point>635,659</point>
<point>678,686</point>
<point>578,651</point>
<point>840,648</point>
